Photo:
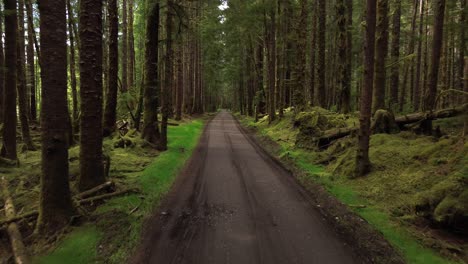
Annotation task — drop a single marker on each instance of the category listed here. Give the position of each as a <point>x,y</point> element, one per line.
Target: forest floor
<point>109,231</point>
<point>415,195</point>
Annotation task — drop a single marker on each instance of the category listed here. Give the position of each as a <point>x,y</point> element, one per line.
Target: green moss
<point>78,247</point>
<point>119,221</point>
<point>406,170</point>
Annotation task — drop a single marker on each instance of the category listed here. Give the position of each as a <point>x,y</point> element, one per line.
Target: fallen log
<point>444,113</point>
<point>20,217</point>
<point>105,186</point>
<point>80,201</point>
<point>106,196</point>
<point>331,135</point>
<point>16,240</point>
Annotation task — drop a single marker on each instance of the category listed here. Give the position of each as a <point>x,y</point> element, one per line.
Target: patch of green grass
<point>78,247</point>
<point>119,221</point>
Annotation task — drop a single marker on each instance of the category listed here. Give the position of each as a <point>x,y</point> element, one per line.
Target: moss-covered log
<point>16,240</point>
<point>331,135</point>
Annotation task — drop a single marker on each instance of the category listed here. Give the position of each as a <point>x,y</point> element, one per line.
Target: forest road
<point>234,204</point>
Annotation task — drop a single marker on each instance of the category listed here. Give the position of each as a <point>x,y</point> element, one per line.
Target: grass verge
<point>366,203</point>
<point>115,228</point>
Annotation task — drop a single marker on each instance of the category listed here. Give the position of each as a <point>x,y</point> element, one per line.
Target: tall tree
<point>363,164</point>
<point>462,47</point>
<point>72,63</point>
<point>344,81</point>
<point>417,83</point>
<point>168,78</point>
<point>90,31</point>
<point>124,46</point>
<point>321,73</point>
<point>381,55</point>
<point>2,69</point>
<point>299,93</point>
<point>110,114</point>
<point>55,202</point>
<point>131,44</point>
<point>9,100</point>
<point>21,84</point>
<point>150,116</point>
<point>271,57</point>
<point>31,62</point>
<point>395,55</point>
<point>439,6</point>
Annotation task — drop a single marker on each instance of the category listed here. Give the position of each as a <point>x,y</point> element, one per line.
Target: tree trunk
<point>344,81</point>
<point>363,164</point>
<point>417,84</point>
<point>91,165</point>
<point>313,52</point>
<point>395,57</point>
<point>168,80</point>
<point>31,63</point>
<point>9,101</point>
<point>380,55</point>
<point>300,80</point>
<point>180,80</point>
<point>438,34</point>
<point>2,70</point>
<point>150,114</point>
<point>409,67</point>
<point>110,113</point>
<point>461,55</point>
<point>271,48</point>
<point>72,62</point>
<point>322,20</point>
<point>131,46</point>
<point>124,46</point>
<point>23,103</point>
<point>56,206</point>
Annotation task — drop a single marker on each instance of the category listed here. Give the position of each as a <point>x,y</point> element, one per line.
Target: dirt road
<point>233,204</point>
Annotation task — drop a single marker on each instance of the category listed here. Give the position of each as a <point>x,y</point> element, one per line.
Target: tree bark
<point>2,70</point>
<point>55,202</point>
<point>110,112</point>
<point>321,74</point>
<point>363,164</point>
<point>417,85</point>
<point>168,80</point>
<point>131,45</point>
<point>31,63</point>
<point>150,116</point>
<point>344,81</point>
<point>438,34</point>
<point>72,62</point>
<point>91,165</point>
<point>124,46</point>
<point>380,56</point>
<point>395,56</point>
<point>23,103</point>
<point>9,101</point>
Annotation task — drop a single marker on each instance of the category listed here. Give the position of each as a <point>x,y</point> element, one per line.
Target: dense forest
<point>366,96</point>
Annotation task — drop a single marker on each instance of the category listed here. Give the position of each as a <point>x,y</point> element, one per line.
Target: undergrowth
<point>408,171</point>
<point>115,227</point>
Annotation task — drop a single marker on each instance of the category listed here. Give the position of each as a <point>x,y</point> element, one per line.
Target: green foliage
<point>408,171</point>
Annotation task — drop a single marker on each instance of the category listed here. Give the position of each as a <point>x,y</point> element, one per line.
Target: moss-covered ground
<point>416,184</point>
<point>109,232</point>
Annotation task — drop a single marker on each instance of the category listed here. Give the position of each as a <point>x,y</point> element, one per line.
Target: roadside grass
<point>372,192</point>
<point>117,227</point>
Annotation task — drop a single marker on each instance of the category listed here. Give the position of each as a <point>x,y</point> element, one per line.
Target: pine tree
<point>363,164</point>
<point>9,101</point>
<point>55,202</point>
<point>90,31</point>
